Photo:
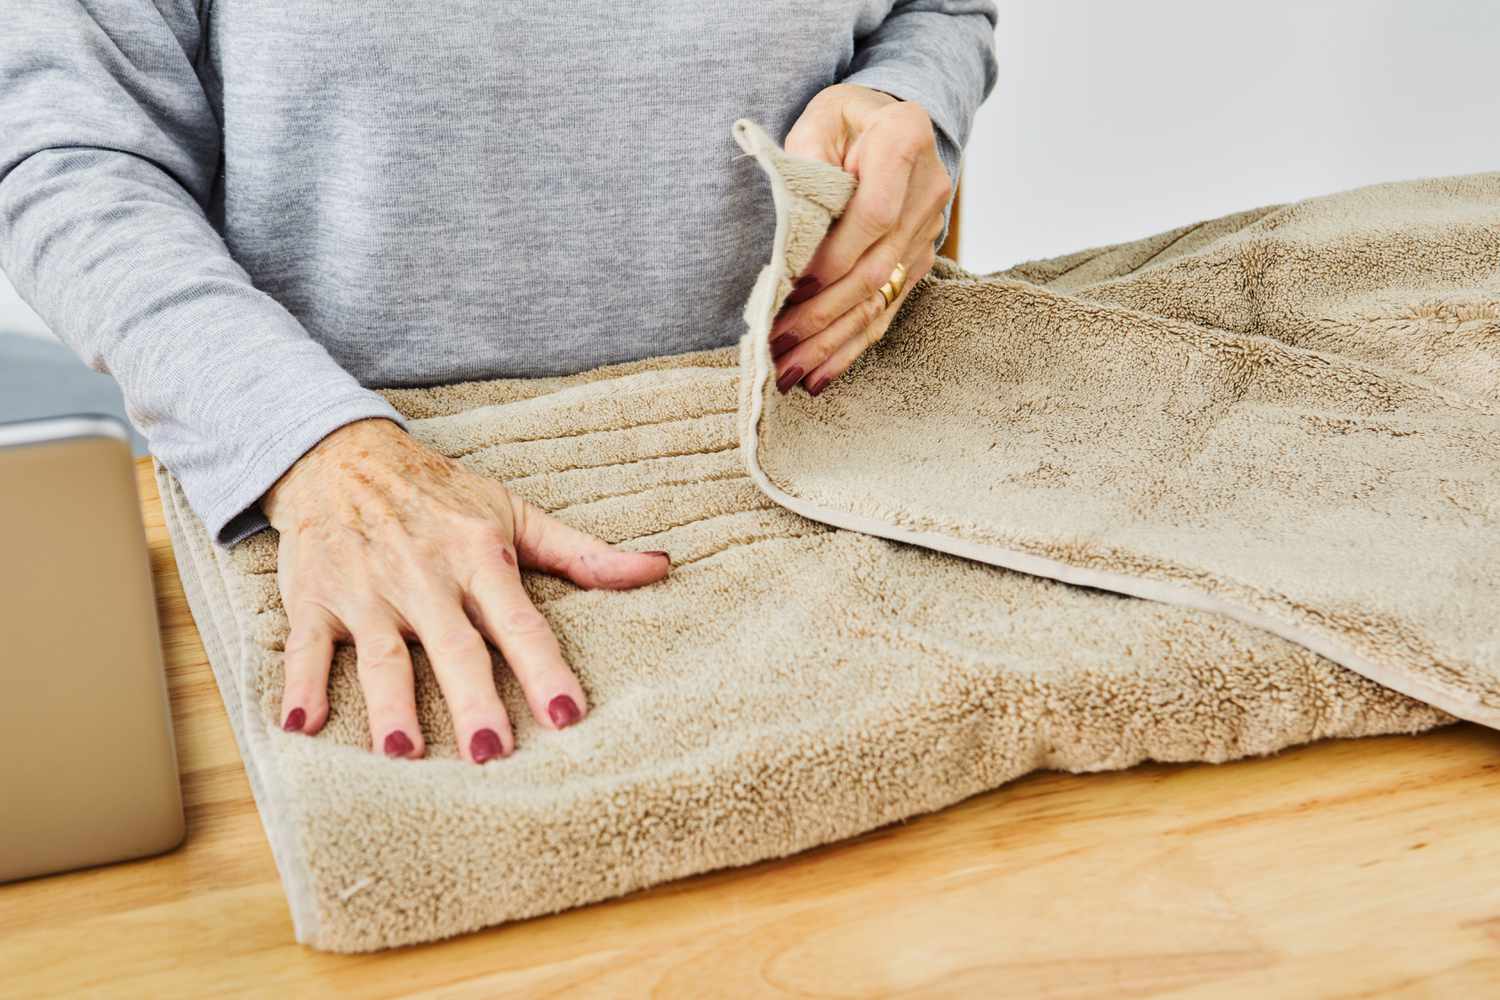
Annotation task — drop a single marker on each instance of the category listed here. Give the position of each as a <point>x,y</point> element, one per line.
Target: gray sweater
<point>250,212</point>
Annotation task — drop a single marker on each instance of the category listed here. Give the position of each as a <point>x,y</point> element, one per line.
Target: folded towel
<point>790,683</point>
<point>1290,416</point>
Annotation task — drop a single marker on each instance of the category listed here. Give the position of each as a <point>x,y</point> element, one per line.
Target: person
<point>252,214</point>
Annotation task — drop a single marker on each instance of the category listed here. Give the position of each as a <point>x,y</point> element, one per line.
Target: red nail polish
<point>818,386</point>
<point>295,720</point>
<point>788,379</point>
<point>783,343</point>
<point>658,552</point>
<point>805,288</point>
<point>564,711</point>
<point>485,745</point>
<point>397,744</point>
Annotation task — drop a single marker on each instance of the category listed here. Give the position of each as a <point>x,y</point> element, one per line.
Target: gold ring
<point>892,288</point>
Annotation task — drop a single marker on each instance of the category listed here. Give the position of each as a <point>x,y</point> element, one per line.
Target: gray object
<point>250,214</point>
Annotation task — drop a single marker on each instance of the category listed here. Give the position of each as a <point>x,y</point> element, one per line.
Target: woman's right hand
<point>383,539</point>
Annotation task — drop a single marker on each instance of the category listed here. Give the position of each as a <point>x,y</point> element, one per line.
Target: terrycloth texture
<point>788,685</point>
<point>1290,416</point>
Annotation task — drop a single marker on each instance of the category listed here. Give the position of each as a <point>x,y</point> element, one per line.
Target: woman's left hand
<point>836,309</point>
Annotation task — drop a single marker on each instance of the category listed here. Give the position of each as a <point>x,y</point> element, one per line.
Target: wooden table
<point>1350,868</point>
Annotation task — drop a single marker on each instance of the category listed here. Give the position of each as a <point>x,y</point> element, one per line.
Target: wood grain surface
<point>1345,869</point>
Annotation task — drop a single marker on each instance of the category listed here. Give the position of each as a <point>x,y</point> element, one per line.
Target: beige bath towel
<point>1290,416</point>
<point>790,683</point>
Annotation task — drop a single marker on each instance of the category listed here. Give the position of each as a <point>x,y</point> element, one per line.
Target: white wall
<point>1116,120</point>
<point>1113,121</point>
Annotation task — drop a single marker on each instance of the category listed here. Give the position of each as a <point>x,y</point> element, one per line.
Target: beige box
<point>88,767</point>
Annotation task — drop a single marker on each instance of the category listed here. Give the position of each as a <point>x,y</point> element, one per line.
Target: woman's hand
<point>836,309</point>
<point>383,539</point>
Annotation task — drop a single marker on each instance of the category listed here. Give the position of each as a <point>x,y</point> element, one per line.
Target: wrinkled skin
<point>383,540</point>
<point>836,311</point>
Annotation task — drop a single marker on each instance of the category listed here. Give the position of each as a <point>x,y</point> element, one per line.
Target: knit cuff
<point>233,512</point>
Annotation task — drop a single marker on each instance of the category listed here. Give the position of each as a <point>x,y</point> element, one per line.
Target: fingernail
<point>485,745</point>
<point>818,386</point>
<point>397,744</point>
<point>805,288</point>
<point>783,343</point>
<point>788,379</point>
<point>295,720</point>
<point>564,711</point>
<point>665,555</point>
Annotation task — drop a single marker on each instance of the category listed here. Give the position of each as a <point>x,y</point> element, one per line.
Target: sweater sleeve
<point>108,158</point>
<point>940,54</point>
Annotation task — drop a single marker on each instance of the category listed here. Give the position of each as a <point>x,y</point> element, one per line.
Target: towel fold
<point>1290,416</point>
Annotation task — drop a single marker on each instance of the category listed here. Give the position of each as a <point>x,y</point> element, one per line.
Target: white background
<point>1112,121</point>
<point>1115,120</point>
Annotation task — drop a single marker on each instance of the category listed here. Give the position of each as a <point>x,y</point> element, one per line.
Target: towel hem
<point>197,584</point>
